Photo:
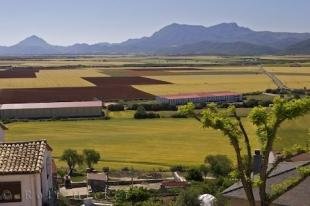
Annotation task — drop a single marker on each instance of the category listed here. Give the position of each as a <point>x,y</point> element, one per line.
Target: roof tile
<point>22,157</point>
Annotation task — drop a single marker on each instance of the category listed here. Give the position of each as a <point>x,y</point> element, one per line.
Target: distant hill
<point>302,47</point>
<point>180,39</point>
<point>213,48</point>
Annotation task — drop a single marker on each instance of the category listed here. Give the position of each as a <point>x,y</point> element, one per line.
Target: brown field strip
<point>103,81</point>
<point>27,72</point>
<point>66,94</point>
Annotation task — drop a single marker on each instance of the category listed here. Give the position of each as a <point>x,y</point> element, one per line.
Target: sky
<point>65,22</point>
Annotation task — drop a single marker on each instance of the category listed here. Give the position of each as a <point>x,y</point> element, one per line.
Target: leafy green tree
<point>91,157</point>
<point>72,158</point>
<point>220,165</point>
<point>267,121</point>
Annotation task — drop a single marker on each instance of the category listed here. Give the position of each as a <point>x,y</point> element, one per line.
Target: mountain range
<point>179,39</point>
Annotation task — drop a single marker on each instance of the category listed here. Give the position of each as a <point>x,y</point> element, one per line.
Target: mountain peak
<point>33,41</point>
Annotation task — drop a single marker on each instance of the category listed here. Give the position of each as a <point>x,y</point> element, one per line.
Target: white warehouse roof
<point>51,105</point>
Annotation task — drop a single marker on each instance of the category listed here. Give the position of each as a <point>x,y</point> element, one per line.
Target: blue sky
<point>64,22</point>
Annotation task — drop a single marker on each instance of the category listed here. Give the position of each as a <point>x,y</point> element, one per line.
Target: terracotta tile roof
<point>22,157</point>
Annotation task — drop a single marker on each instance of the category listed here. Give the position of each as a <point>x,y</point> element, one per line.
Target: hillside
<point>175,39</point>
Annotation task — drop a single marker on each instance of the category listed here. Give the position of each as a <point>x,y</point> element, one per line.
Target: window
<point>10,192</point>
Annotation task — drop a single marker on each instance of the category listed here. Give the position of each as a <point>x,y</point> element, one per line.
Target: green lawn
<point>143,144</point>
<point>294,132</point>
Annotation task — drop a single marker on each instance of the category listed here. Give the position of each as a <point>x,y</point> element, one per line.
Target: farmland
<point>94,77</point>
<point>201,83</point>
<point>146,144</point>
<point>143,144</point>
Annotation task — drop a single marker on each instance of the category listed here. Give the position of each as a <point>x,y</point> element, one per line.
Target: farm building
<point>26,174</point>
<point>51,110</point>
<point>178,99</point>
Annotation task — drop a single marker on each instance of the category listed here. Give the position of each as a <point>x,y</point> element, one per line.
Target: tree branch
<point>247,143</point>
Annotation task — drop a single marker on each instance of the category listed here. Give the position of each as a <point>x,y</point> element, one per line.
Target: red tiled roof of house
<point>22,157</point>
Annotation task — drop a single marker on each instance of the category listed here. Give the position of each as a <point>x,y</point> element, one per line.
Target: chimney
<point>257,162</point>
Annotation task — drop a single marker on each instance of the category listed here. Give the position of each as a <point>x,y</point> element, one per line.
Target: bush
<point>116,107</point>
<point>154,107</point>
<point>179,115</point>
<point>142,114</point>
<point>254,102</point>
<point>194,174</point>
<point>220,165</point>
<point>177,168</point>
<point>189,197</point>
<point>133,196</point>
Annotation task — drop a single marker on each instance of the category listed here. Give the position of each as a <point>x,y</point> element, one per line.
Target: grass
<point>53,78</point>
<point>295,81</point>
<point>145,144</point>
<point>282,69</point>
<point>206,83</point>
<point>292,132</point>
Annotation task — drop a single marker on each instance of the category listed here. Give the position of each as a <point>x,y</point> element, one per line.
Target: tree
<point>91,157</point>
<point>267,121</point>
<point>220,165</point>
<point>72,158</point>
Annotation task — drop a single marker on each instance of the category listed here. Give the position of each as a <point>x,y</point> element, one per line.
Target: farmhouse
<point>178,99</point>
<point>51,110</point>
<point>26,176</point>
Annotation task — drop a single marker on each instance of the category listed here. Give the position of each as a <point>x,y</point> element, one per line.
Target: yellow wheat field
<point>208,83</point>
<point>53,78</point>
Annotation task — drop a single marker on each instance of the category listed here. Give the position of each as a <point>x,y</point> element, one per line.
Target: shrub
<point>116,107</point>
<point>142,114</point>
<point>189,197</point>
<point>194,174</point>
<point>177,168</point>
<point>137,194</point>
<point>154,107</point>
<point>179,115</point>
<point>220,165</point>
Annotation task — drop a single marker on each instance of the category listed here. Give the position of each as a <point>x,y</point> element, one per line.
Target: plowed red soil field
<point>27,72</point>
<point>104,81</point>
<point>104,93</point>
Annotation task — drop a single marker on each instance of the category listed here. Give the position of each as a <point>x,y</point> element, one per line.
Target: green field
<point>145,144</point>
<point>208,83</point>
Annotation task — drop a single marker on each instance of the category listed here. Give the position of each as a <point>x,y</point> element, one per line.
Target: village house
<point>26,176</point>
<point>297,196</point>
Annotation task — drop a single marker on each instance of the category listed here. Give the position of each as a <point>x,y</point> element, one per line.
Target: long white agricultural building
<point>51,110</point>
<point>178,99</point>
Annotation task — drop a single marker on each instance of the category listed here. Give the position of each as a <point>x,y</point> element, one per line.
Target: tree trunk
<point>246,182</point>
